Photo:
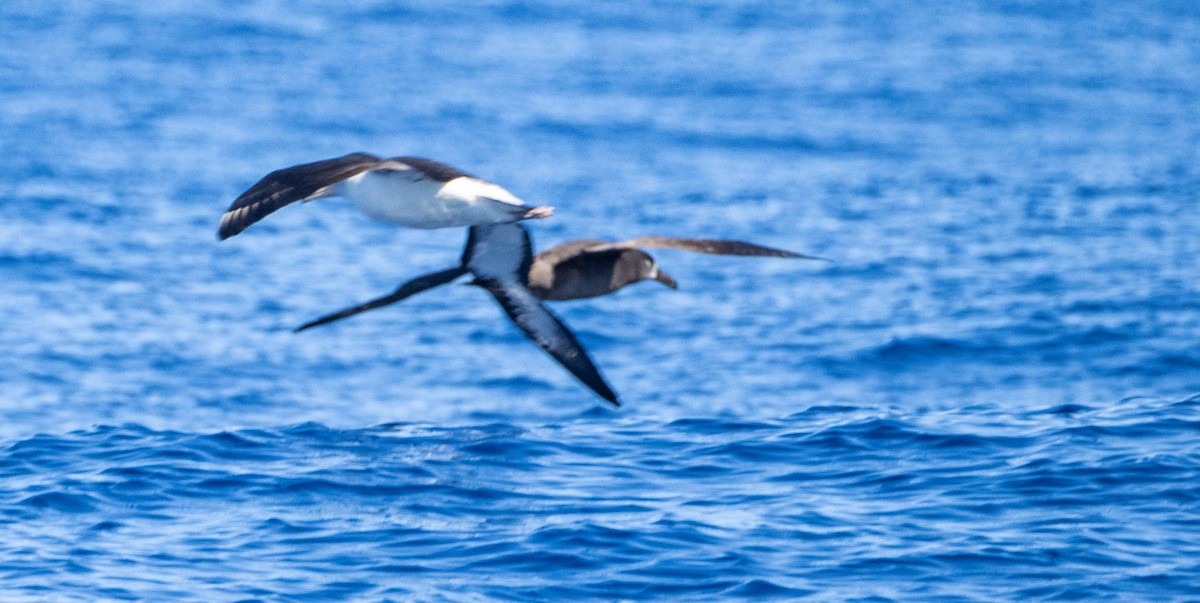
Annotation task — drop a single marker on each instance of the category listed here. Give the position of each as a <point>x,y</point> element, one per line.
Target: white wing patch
<point>473,190</point>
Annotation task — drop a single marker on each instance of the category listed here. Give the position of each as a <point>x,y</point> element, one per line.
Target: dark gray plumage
<point>499,257</point>
<point>589,268</point>
<point>575,270</point>
<point>289,185</point>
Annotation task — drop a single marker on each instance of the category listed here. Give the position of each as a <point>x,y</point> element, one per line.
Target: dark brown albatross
<point>589,268</point>
<point>578,270</point>
<point>500,257</point>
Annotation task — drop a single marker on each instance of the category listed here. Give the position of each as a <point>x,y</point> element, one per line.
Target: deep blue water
<point>989,394</point>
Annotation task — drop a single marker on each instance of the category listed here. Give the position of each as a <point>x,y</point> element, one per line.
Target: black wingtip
<point>320,321</point>
<point>602,389</point>
<point>801,256</point>
<point>316,322</point>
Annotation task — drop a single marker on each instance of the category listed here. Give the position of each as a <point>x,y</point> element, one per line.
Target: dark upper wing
<point>408,289</point>
<point>501,252</point>
<point>712,246</point>
<point>433,170</point>
<point>546,330</point>
<point>499,255</point>
<point>289,185</point>
<point>568,250</point>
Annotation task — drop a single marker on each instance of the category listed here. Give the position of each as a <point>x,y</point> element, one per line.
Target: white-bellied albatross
<point>406,191</point>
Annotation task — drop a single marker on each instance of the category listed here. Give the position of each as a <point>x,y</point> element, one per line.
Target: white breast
<point>405,198</point>
<point>398,197</point>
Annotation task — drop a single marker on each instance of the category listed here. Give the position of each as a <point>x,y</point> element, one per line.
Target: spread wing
<point>570,249</point>
<point>546,330</point>
<point>499,255</point>
<point>430,169</point>
<point>408,289</point>
<point>288,185</point>
<point>710,246</point>
<point>501,252</point>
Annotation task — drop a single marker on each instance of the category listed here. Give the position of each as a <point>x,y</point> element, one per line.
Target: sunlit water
<point>986,395</point>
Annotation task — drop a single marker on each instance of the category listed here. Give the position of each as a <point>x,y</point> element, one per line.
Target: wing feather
<point>549,333</point>
<point>710,246</point>
<point>288,185</point>
<point>408,289</point>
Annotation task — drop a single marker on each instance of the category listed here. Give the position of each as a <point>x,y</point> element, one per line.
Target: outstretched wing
<point>288,185</point>
<point>408,289</point>
<point>710,246</point>
<point>546,330</point>
<point>501,252</point>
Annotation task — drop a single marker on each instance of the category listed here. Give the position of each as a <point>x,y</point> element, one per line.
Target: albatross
<point>499,256</point>
<point>578,269</point>
<point>589,268</point>
<point>574,270</point>
<point>413,192</point>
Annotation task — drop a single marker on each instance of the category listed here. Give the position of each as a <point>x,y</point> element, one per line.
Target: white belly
<point>398,198</point>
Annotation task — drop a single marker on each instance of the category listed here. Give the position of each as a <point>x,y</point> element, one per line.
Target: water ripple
<point>767,508</point>
<point>989,393</point>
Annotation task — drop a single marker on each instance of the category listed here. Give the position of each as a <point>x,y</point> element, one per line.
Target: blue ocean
<point>990,392</point>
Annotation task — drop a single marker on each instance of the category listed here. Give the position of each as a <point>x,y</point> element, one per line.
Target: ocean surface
<point>991,392</point>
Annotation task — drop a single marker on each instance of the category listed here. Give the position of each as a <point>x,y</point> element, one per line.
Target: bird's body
<point>574,270</point>
<point>589,268</point>
<point>501,259</point>
<point>582,269</point>
<point>412,192</point>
